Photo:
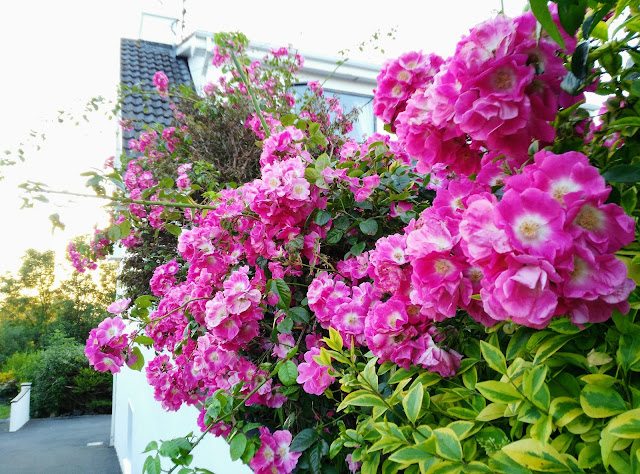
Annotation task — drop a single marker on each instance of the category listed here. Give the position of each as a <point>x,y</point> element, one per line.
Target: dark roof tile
<point>139,61</point>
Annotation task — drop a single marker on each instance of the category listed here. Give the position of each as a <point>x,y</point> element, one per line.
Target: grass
<point>5,411</point>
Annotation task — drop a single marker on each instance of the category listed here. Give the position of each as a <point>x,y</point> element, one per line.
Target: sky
<point>58,55</point>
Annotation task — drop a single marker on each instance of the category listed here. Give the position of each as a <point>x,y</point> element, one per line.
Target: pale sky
<point>58,55</point>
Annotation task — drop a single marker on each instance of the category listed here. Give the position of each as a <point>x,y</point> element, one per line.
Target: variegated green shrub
<point>558,400</point>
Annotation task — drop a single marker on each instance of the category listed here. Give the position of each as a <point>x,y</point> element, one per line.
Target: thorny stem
<point>124,200</point>
<point>152,322</point>
<point>250,90</point>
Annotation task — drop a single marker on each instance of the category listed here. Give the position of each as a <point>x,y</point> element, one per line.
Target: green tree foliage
<point>33,306</point>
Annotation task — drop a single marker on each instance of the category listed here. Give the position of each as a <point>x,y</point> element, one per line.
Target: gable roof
<point>139,61</point>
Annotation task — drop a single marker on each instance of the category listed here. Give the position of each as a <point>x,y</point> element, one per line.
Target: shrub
<point>61,383</point>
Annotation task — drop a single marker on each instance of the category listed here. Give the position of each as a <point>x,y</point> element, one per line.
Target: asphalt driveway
<point>74,445</point>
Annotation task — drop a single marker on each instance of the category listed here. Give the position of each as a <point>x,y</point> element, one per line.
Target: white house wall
<point>139,419</point>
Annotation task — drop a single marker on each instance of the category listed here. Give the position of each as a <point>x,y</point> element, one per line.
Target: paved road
<point>59,446</point>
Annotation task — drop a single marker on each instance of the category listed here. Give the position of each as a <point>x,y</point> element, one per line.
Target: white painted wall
<point>138,419</point>
<point>20,408</point>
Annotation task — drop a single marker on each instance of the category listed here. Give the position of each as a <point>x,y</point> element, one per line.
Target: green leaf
<point>517,342</point>
<point>237,446</point>
<point>288,119</point>
<point>445,467</point>
<point>447,444</point>
<point>590,456</point>
<point>542,429</point>
<point>593,20</point>
<point>334,235</point>
<point>601,402</point>
<point>626,425</point>
<point>498,392</point>
<point>401,374</point>
<point>152,465</point>
<point>412,402</point>
<point>580,425</point>
<point>563,325</point>
<point>369,374</point>
<point>549,347</point>
<point>357,249</point>
<point>334,341</point>
<point>629,200</point>
<point>491,412</point>
<point>462,413</point>
<point>173,229</point>
<point>335,447</point>
<point>144,301</point>
<point>580,61</point>
<point>249,452</point>
<point>492,439</point>
<point>411,454</point>
<point>341,222</point>
<point>139,363</point>
<point>361,398</point>
<point>607,442</point>
<point>279,287</point>
<point>370,464</point>
<point>322,217</point>
<point>571,14</point>
<point>477,467</point>
<point>564,410</point>
<point>503,464</point>
<point>599,379</point>
<point>152,446</point>
<point>299,314</point>
<point>494,357</point>
<point>303,440</point>
<point>533,380</point>
<point>470,378</point>
<point>113,233</point>
<point>170,449</point>
<point>464,429</point>
<point>288,373</point>
<point>369,227</point>
<point>285,326</point>
<point>535,455</point>
<point>125,229</point>
<point>624,173</point>
<point>542,14</point>
<point>528,413</point>
<point>144,340</point>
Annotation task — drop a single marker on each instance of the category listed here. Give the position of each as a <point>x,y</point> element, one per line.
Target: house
<point>137,418</point>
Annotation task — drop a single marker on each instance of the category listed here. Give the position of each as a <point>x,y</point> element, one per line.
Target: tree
<point>33,305</point>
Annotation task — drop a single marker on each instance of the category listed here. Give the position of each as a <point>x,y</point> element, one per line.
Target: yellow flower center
<point>529,230</point>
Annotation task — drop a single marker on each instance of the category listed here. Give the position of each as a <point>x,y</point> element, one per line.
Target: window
<point>366,122</point>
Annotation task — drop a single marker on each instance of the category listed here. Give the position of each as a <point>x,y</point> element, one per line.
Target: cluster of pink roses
<point>274,456</point>
<point>547,247</point>
<point>161,81</point>
<point>499,92</point>
<point>97,249</point>
<point>108,346</point>
<point>78,261</point>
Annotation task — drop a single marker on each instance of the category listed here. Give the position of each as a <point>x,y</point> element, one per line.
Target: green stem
<point>153,321</point>
<point>181,205</point>
<point>340,63</point>
<point>213,423</point>
<point>250,91</point>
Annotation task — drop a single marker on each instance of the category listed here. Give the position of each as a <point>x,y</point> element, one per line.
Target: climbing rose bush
<point>440,300</point>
